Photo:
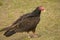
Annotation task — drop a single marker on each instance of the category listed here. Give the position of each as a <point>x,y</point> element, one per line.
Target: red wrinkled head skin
<point>41,8</point>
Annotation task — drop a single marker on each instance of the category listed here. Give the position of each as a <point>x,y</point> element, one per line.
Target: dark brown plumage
<point>25,23</point>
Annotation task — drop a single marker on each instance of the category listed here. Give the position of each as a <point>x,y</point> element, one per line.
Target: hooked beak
<point>44,10</point>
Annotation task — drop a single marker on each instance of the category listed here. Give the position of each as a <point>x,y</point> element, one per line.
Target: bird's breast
<point>30,21</point>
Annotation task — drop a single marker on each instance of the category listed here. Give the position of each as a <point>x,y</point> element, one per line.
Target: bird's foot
<point>34,36</point>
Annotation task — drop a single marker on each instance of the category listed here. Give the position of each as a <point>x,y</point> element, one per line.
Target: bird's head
<point>41,8</point>
<point>38,10</point>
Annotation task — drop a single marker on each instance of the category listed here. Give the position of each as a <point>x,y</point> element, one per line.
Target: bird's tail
<point>9,33</point>
<point>4,29</point>
<point>7,28</point>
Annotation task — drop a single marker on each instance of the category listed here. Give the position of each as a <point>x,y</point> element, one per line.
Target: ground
<point>48,27</point>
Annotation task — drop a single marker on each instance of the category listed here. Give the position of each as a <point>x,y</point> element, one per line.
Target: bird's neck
<point>36,12</point>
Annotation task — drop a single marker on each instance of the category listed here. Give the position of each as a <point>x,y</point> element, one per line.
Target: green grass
<point>49,26</point>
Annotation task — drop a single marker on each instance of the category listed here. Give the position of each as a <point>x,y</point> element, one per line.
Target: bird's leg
<point>34,34</point>
<point>31,34</point>
<point>28,33</point>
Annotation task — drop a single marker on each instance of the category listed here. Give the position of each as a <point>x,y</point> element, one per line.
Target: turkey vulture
<point>25,23</point>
